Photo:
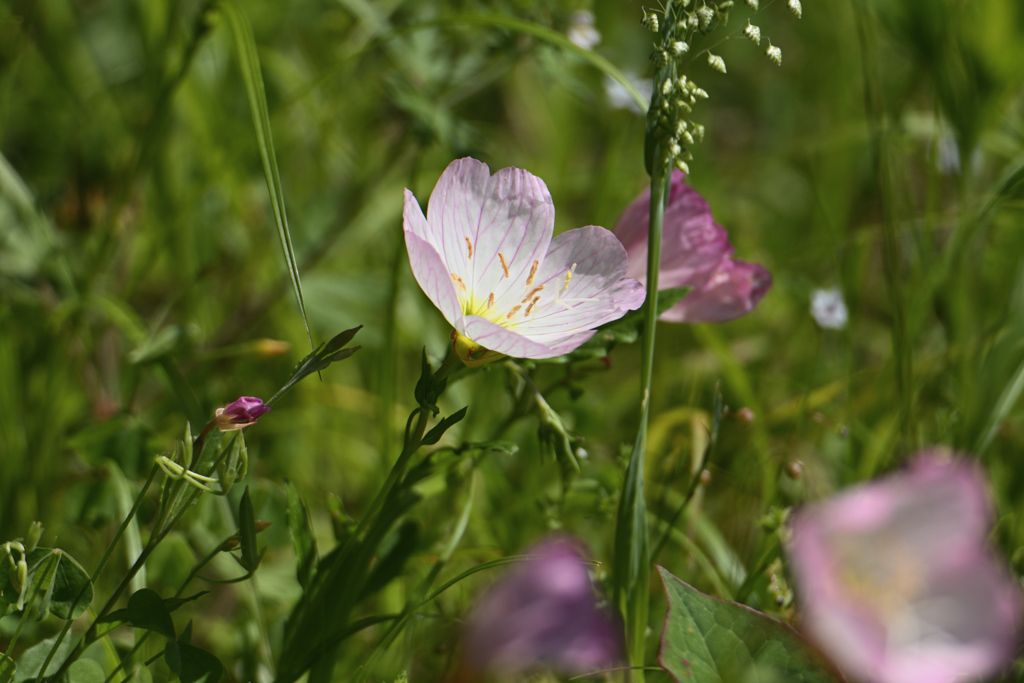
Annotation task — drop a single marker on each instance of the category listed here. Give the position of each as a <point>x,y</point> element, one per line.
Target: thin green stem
<point>632,569</point>
<point>99,567</point>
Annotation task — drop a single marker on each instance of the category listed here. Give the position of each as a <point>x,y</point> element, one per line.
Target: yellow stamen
<point>458,280</point>
<point>533,291</point>
<point>532,304</point>
<point>568,278</point>
<point>490,301</point>
<point>533,273</point>
<point>511,313</point>
<point>469,245</point>
<point>504,263</point>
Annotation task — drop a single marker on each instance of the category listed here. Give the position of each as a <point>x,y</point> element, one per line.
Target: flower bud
<point>687,138</point>
<point>716,62</point>
<point>796,8</point>
<point>666,87</point>
<point>679,47</point>
<point>705,15</point>
<point>674,149</point>
<point>774,54</point>
<point>753,5</point>
<point>650,21</point>
<point>240,414</point>
<point>683,166</point>
<point>701,92</point>
<point>753,33</point>
<point>35,532</point>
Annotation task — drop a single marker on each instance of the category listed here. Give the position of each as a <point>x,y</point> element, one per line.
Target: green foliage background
<point>140,276</point>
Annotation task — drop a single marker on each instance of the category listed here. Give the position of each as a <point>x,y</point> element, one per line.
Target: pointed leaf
<point>301,529</point>
<point>72,589</point>
<point>435,434</point>
<point>247,533</point>
<point>708,640</point>
<point>198,665</point>
<point>146,609</point>
<point>7,668</point>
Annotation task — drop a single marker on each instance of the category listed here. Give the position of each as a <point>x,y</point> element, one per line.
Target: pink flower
<point>485,256</point>
<point>897,582</point>
<point>695,252</point>
<point>543,612</point>
<point>240,414</point>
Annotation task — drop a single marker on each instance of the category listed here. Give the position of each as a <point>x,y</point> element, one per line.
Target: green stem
<point>632,569</point>
<point>99,567</point>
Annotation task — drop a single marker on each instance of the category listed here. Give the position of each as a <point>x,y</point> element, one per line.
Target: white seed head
<point>679,47</point>
<point>701,92</point>
<point>674,149</point>
<point>774,54</point>
<point>752,4</point>
<point>692,21</point>
<point>796,8</point>
<point>687,138</point>
<point>666,87</point>
<point>682,166</point>
<point>716,62</point>
<point>753,33</point>
<point>705,14</point>
<point>651,22</point>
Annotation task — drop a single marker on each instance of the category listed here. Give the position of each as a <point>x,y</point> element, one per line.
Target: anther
<point>469,245</point>
<point>458,280</point>
<point>515,309</point>
<point>568,278</point>
<point>532,304</point>
<point>530,294</point>
<point>490,300</point>
<point>533,273</point>
<point>504,263</point>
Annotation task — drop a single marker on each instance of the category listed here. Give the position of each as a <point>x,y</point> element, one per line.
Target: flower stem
<point>631,566</point>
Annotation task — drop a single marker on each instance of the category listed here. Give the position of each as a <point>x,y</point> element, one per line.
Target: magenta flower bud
<point>897,582</point>
<point>543,611</point>
<point>485,256</point>
<point>695,252</point>
<point>240,414</point>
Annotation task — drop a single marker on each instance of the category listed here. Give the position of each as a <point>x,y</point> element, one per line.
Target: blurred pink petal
<point>695,252</point>
<point>543,611</point>
<point>484,255</point>
<point>897,582</point>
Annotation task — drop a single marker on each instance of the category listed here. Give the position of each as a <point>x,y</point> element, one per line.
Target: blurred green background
<point>142,283</point>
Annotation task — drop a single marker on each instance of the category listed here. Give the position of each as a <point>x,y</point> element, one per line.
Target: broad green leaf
<point>249,63</point>
<point>171,604</point>
<point>31,661</point>
<point>8,668</point>
<point>707,640</point>
<point>72,589</point>
<point>192,664</point>
<point>304,542</point>
<point>86,671</point>
<point>146,609</point>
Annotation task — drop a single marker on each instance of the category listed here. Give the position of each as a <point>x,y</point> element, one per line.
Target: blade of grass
<point>249,63</point>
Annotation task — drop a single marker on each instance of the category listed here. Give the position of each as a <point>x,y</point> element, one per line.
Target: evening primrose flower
<point>543,612</point>
<point>240,414</point>
<point>897,582</point>
<point>695,252</point>
<point>485,257</point>
<point>829,309</point>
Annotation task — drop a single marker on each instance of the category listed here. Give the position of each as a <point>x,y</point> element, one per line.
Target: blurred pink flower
<point>543,611</point>
<point>240,414</point>
<point>695,252</point>
<point>484,255</point>
<point>897,582</point>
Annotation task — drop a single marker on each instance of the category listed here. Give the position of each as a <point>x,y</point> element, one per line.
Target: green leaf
<point>146,609</point>
<point>249,63</point>
<point>8,668</point>
<point>247,534</point>
<point>435,434</point>
<point>72,590</point>
<point>393,552</point>
<point>171,604</point>
<point>86,671</point>
<point>707,640</point>
<point>303,541</point>
<point>31,660</point>
<point>192,663</point>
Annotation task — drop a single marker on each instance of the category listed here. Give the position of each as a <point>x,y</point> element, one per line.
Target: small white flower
<point>828,308</point>
<point>581,30</point>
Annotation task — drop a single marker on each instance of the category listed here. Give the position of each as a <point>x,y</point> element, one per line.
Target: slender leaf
<point>247,534</point>
<point>303,541</point>
<point>8,668</point>
<point>435,434</point>
<point>249,62</point>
